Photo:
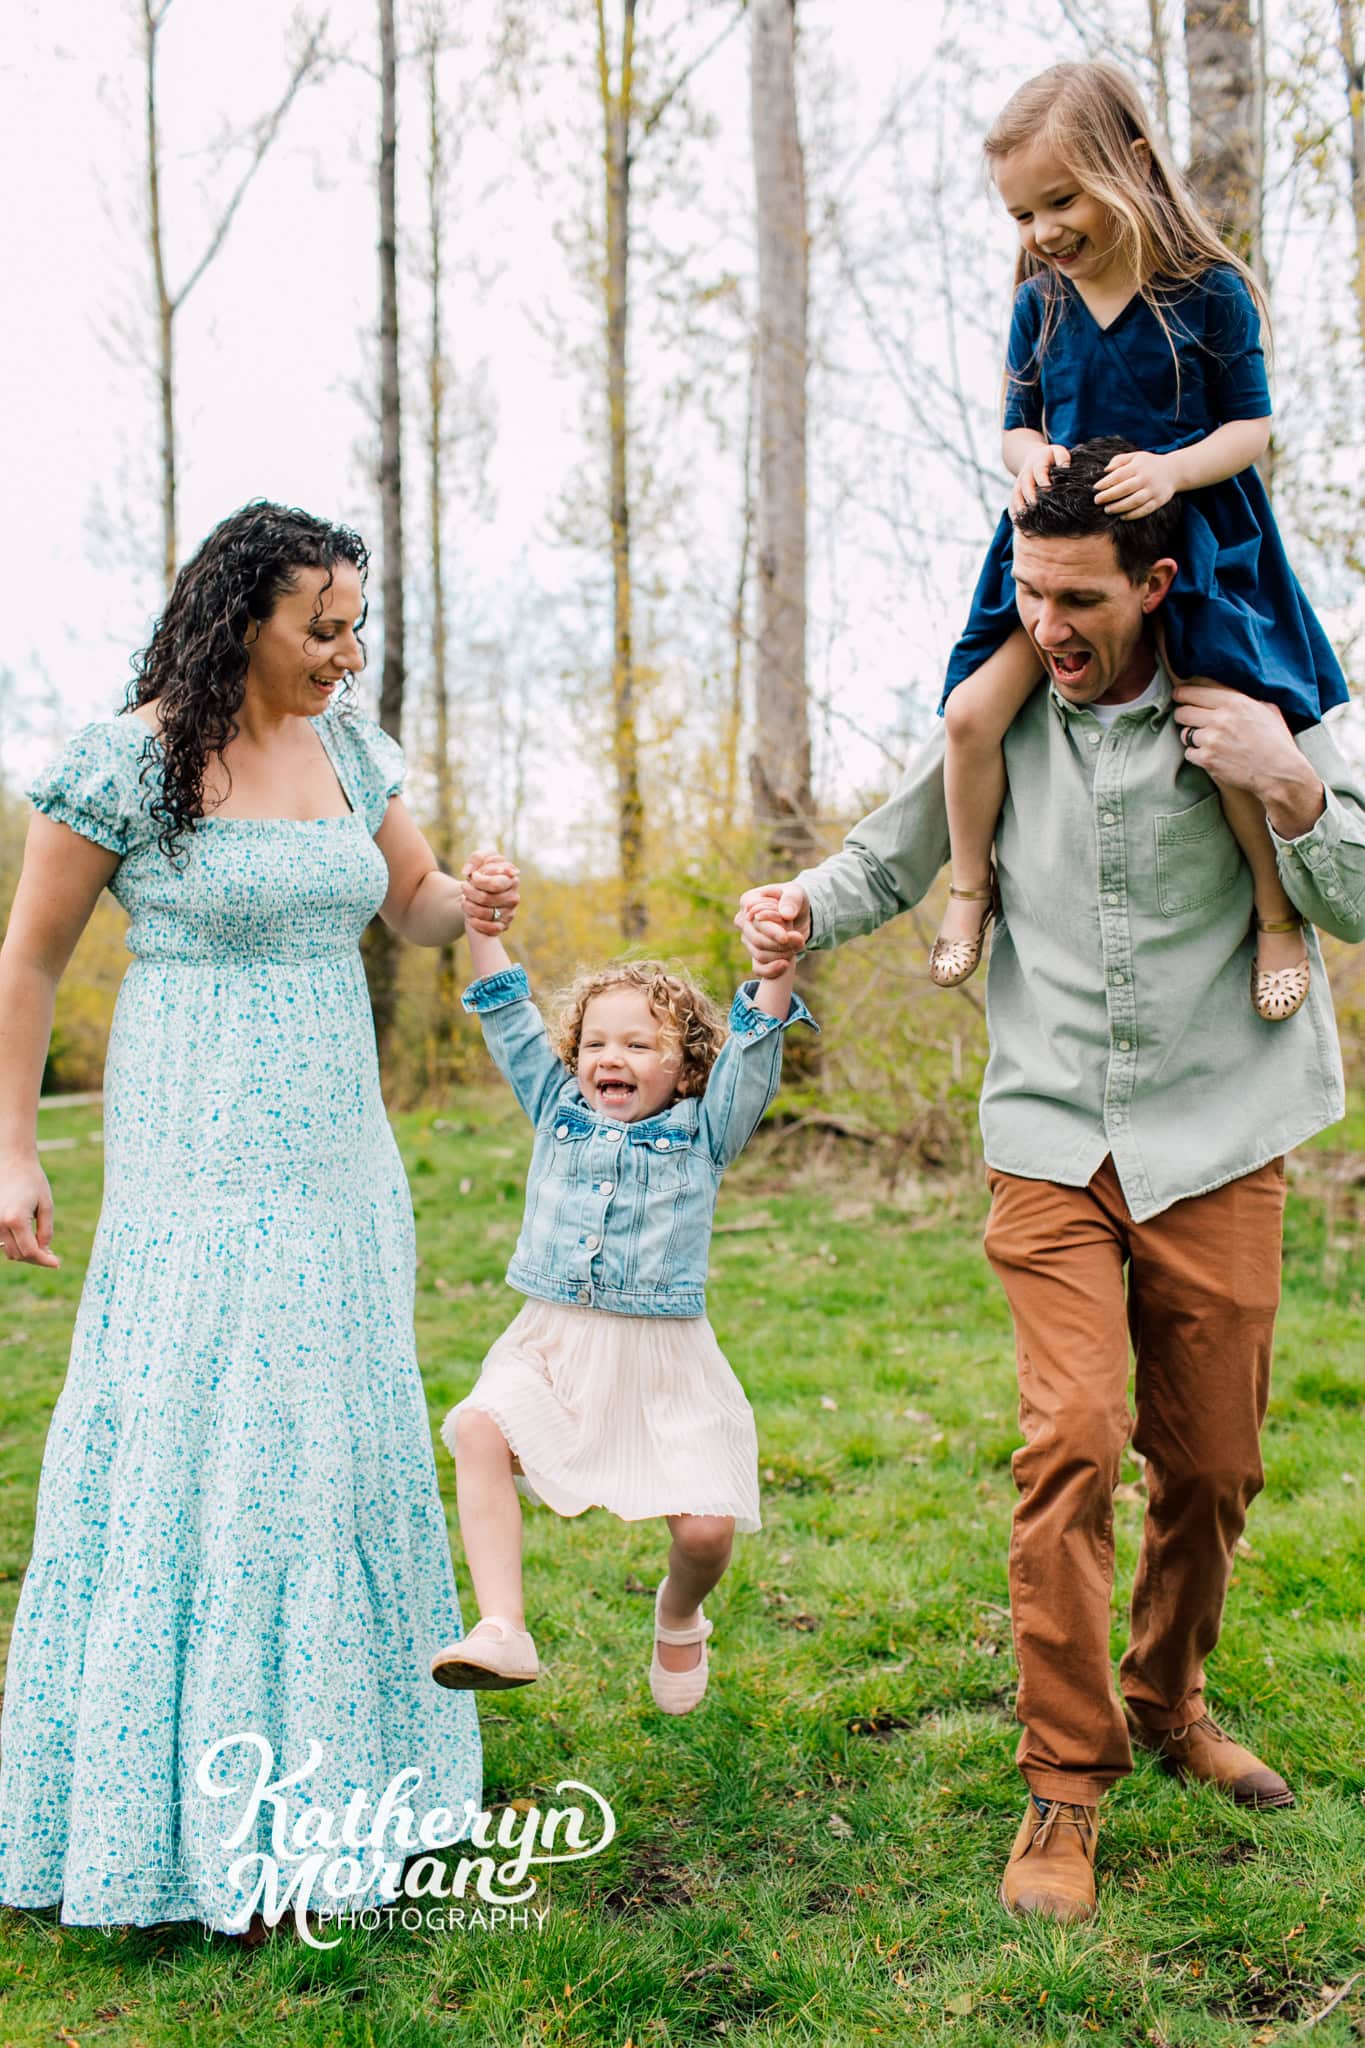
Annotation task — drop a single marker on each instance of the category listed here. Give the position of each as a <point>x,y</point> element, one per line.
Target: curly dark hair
<point>194,666</point>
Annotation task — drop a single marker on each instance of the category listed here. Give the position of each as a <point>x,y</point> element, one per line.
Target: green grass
<point>813,1857</point>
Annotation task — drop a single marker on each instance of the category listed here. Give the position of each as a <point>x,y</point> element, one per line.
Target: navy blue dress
<point>1235,612</point>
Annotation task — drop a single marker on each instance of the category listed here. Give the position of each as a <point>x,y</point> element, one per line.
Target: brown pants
<point>1203,1288</point>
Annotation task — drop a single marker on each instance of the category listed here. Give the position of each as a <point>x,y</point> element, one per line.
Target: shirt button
<point>1093,738</point>
<point>561,1130</point>
<point>1111,897</point>
<point>1108,818</point>
<point>661,1144</point>
<point>1329,889</point>
<point>1119,976</point>
<point>606,1187</point>
<point>1124,1045</point>
<point>593,1243</point>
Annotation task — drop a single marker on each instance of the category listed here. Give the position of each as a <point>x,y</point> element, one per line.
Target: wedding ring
<point>497,917</point>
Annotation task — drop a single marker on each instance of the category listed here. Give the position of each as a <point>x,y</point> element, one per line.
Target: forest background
<point>668,405</point>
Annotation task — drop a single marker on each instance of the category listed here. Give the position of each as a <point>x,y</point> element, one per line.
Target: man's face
<point>1085,617</point>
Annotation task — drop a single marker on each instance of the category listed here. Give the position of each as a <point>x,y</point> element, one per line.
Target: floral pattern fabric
<point>238,1522</point>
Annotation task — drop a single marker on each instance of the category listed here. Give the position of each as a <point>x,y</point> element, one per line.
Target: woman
<point>238,1524</point>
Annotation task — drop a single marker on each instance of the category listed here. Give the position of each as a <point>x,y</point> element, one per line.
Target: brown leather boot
<point>1051,1870</point>
<point>1201,1753</point>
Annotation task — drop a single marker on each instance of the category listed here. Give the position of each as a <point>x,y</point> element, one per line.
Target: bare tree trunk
<point>780,767</point>
<point>165,308</point>
<point>1225,139</point>
<point>617,107</point>
<point>310,61</point>
<point>382,947</point>
<point>1350,39</point>
<point>444,833</point>
<point>734,710</point>
<point>1156,47</point>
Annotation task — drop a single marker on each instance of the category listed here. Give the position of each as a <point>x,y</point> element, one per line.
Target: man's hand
<point>491,893</point>
<point>1035,474</point>
<point>1246,744</point>
<point>774,923</point>
<point>1137,484</point>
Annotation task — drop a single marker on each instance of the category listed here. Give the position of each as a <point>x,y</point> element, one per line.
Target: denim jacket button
<point>593,1243</point>
<point>561,1130</point>
<point>582,1294</point>
<point>615,1137</point>
<point>661,1144</point>
<point>606,1187</point>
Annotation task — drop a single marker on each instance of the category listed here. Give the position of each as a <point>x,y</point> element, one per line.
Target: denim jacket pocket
<point>1197,858</point>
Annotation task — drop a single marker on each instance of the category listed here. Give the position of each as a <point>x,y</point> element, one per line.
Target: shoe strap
<point>507,1631</point>
<point>1286,924</point>
<point>680,1638</point>
<point>988,895</point>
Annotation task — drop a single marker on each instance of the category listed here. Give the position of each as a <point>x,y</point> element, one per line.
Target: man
<point>1135,1113</point>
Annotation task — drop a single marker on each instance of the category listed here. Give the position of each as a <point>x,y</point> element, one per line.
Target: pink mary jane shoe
<point>493,1657</point>
<point>677,1692</point>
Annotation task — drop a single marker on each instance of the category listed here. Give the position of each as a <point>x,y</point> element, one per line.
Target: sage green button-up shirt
<point>1118,996</point>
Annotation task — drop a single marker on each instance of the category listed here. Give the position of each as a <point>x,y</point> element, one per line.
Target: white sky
<point>275,345</point>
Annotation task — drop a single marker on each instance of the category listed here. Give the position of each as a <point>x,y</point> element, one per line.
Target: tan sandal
<point>953,961</point>
<point>677,1692</point>
<point>1276,994</point>
<point>493,1657</point>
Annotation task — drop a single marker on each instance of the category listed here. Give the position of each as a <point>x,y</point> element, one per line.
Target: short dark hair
<point>1067,510</point>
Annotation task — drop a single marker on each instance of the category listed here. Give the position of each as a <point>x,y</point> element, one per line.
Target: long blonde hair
<point>1090,116</point>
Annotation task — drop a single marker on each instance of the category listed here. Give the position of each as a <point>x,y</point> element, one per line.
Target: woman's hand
<point>491,893</point>
<point>1035,473</point>
<point>1137,484</point>
<point>26,1213</point>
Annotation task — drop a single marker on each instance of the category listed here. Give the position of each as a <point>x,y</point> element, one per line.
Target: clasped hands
<point>492,893</point>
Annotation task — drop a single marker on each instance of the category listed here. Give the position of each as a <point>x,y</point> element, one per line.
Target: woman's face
<point>297,657</point>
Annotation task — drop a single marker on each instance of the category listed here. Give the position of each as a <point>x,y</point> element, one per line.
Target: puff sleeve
<point>370,764</point>
<point>94,785</point>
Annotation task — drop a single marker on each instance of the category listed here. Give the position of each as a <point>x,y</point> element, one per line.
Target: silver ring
<point>497,917</point>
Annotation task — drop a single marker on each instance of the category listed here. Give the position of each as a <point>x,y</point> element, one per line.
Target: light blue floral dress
<point>238,1522</point>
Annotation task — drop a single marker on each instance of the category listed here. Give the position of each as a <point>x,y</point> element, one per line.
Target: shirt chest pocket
<point>1197,858</point>
<point>663,1163</point>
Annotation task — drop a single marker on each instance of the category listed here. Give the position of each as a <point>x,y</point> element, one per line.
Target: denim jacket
<point>618,1215</point>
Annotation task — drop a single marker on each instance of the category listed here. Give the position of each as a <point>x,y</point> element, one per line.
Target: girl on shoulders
<point>608,1389</point>
<point>1131,319</point>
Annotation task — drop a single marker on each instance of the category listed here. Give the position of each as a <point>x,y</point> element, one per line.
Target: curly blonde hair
<point>690,1024</point>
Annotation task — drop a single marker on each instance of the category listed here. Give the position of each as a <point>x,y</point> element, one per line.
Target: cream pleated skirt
<point>638,1414</point>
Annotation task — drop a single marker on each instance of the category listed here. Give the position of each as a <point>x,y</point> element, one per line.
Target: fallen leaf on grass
<point>962,2004</point>
<point>837,1825</point>
<point>806,1623</point>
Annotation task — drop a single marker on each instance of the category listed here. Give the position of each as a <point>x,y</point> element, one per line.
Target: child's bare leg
<point>1246,817</point>
<point>697,1560</point>
<point>977,716</point>
<point>490,1514</point>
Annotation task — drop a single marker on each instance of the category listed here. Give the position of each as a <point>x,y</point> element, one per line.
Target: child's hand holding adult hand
<point>1036,474</point>
<point>491,893</point>
<point>1137,484</point>
<point>774,923</point>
